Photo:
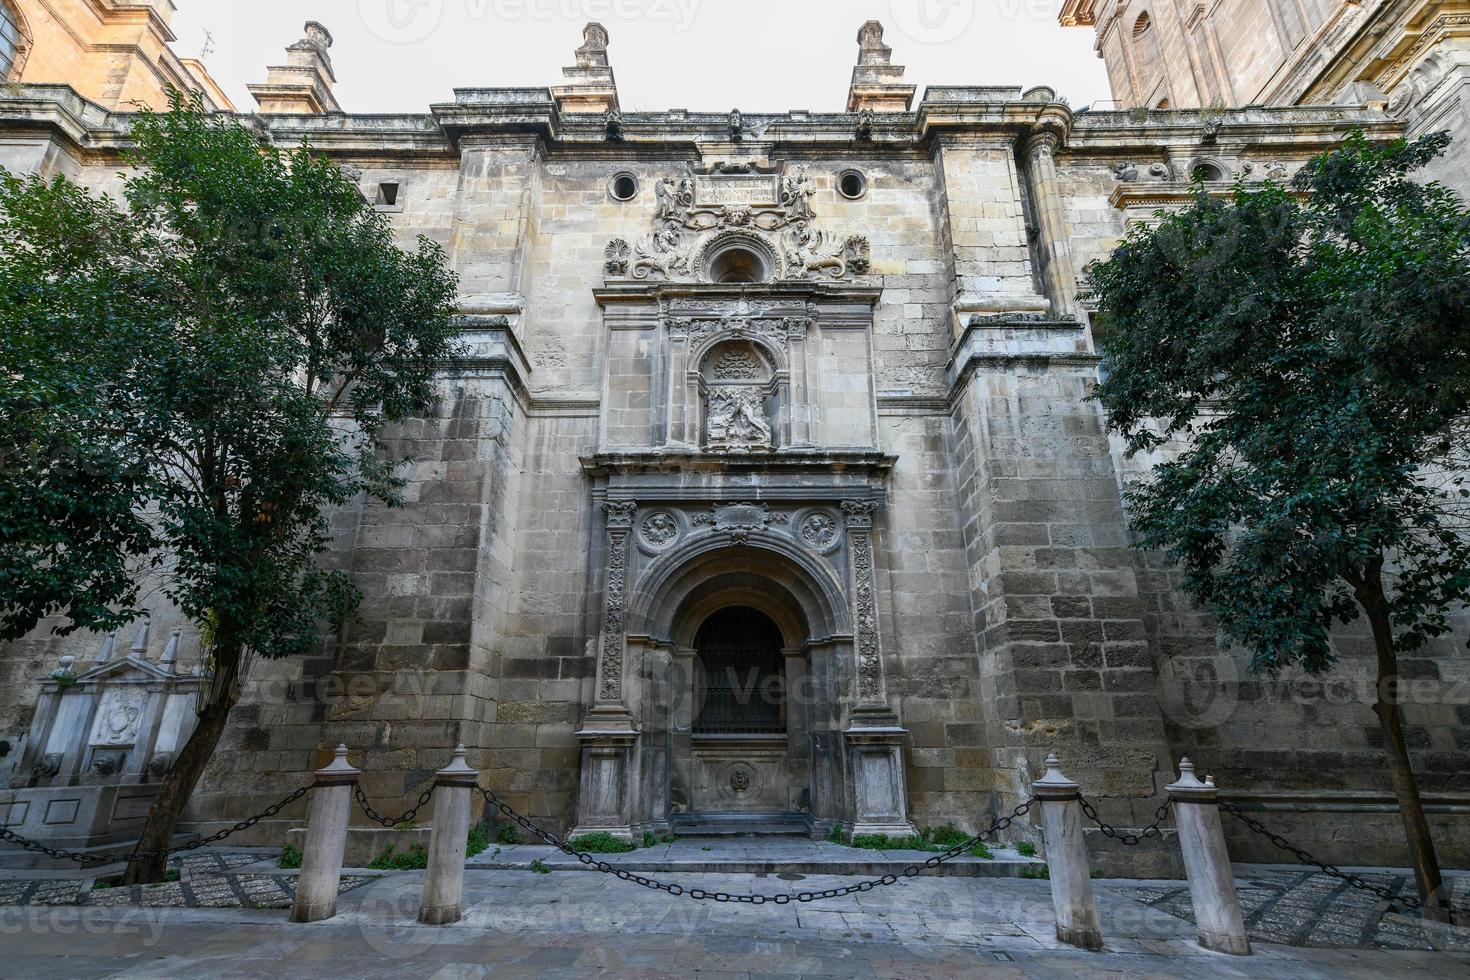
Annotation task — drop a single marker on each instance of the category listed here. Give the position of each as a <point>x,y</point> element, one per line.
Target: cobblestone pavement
<point>207,879</point>
<point>1308,908</point>
<point>523,924</point>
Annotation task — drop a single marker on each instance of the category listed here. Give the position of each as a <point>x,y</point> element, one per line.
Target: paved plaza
<point>579,923</point>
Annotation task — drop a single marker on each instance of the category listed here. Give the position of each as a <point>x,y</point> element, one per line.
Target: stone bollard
<point>444,883</point>
<point>1217,916</point>
<point>1066,858</point>
<point>326,841</point>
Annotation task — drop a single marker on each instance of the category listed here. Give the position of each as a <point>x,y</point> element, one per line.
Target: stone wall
<point>1013,618</point>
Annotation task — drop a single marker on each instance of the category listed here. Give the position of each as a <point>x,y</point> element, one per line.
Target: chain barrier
<point>1122,837</point>
<point>391,822</point>
<point>700,895</point>
<point>1356,881</point>
<point>62,854</point>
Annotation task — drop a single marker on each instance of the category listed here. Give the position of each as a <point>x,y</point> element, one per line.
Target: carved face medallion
<point>659,529</point>
<point>740,780</point>
<point>818,530</point>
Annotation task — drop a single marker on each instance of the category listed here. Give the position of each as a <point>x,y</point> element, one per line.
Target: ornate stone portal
<point>738,495</point>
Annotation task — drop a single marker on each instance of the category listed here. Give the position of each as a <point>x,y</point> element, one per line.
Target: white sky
<point>755,55</point>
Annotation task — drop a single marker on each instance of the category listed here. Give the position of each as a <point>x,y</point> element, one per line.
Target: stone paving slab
<point>1301,907</point>
<point>521,924</point>
<point>207,879</point>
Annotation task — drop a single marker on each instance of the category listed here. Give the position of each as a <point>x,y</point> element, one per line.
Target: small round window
<point>851,184</point>
<point>623,187</point>
<point>1205,172</point>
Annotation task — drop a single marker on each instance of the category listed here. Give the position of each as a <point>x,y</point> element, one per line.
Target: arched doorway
<point>740,675</point>
<point>747,754</point>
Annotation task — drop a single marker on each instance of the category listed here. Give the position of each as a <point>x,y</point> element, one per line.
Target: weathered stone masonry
<point>829,371</point>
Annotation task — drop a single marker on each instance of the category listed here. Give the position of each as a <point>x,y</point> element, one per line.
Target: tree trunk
<point>179,783</point>
<point>1416,828</point>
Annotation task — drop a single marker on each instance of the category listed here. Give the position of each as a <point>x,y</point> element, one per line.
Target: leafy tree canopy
<point>1300,359</point>
<point>190,382</point>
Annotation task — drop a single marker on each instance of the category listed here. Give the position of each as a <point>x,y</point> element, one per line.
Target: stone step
<point>773,856</point>
<point>742,825</point>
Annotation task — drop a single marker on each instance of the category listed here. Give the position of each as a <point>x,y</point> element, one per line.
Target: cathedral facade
<point>771,491</point>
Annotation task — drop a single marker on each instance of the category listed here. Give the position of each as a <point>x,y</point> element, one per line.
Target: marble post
<point>1066,858</point>
<point>1217,915</point>
<point>444,883</point>
<point>326,841</point>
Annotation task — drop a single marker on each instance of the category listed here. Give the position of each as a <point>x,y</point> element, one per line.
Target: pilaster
<point>984,226</point>
<point>494,219</point>
<point>1059,273</point>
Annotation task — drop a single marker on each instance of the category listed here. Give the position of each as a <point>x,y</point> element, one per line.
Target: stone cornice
<point>1172,193</point>
<point>1385,46</point>
<point>871,463</point>
<point>947,116</point>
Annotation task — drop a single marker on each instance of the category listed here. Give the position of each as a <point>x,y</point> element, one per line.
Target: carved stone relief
<point>737,419</point>
<point>658,530</point>
<point>610,672</point>
<point>119,716</point>
<point>739,521</point>
<point>774,210</point>
<point>738,383</point>
<point>818,530</point>
<point>859,517</point>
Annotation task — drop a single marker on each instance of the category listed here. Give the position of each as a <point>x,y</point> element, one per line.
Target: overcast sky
<point>755,55</point>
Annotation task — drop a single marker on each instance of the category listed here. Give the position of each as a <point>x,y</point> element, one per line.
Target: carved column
<point>612,644</point>
<point>874,737</point>
<point>1058,270</point>
<point>608,736</point>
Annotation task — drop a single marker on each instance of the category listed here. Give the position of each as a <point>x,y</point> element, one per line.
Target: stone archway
<point>805,568</point>
<point>794,774</point>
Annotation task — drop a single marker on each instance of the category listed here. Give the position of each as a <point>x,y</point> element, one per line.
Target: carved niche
<point>769,212</point>
<point>739,389</point>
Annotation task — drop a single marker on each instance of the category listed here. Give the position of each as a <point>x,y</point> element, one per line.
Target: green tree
<point>1307,350</point>
<point>190,385</point>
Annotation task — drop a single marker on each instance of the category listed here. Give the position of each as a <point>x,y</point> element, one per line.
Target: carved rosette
<point>858,515</point>
<point>619,527</point>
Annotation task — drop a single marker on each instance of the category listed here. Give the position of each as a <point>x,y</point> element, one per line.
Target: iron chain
<point>1355,881</point>
<point>61,854</point>
<point>408,815</point>
<point>700,895</point>
<point>1152,830</point>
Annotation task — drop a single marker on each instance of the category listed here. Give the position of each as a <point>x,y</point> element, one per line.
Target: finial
<point>1188,784</point>
<point>458,770</point>
<point>339,770</point>
<point>140,642</point>
<point>1054,785</point>
<point>171,650</point>
<point>66,663</point>
<point>109,645</point>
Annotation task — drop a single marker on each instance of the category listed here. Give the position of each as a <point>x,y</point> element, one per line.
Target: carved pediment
<point>772,211</point>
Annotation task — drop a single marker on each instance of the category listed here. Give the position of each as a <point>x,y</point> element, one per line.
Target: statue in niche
<point>736,376</point>
<point>737,418</point>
